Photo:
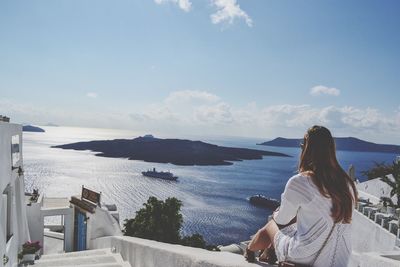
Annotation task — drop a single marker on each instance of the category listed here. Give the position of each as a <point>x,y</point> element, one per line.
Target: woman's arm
<point>290,203</point>
<point>280,226</point>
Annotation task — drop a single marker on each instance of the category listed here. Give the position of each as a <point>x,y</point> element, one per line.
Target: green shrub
<point>378,171</point>
<point>381,170</point>
<point>157,220</point>
<point>195,240</point>
<point>161,221</point>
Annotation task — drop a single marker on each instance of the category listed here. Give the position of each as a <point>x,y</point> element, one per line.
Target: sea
<point>215,198</point>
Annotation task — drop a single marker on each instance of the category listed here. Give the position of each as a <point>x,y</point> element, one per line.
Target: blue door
<point>81,242</point>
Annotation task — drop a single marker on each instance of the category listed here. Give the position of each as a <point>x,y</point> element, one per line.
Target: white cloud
<point>228,11</point>
<point>191,96</point>
<point>185,5</point>
<point>219,113</point>
<point>206,113</point>
<point>324,90</point>
<point>398,115</point>
<point>341,118</point>
<point>41,115</point>
<point>91,95</point>
<point>203,113</point>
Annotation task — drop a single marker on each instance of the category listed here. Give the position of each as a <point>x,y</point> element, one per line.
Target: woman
<point>321,199</point>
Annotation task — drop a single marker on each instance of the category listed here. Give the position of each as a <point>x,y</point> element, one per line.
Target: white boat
<point>161,175</point>
<point>263,201</point>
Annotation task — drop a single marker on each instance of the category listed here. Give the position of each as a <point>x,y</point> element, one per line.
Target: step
<point>122,264</point>
<point>81,261</point>
<point>83,253</point>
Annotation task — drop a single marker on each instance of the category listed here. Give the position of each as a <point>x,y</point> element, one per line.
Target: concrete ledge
<point>387,259</point>
<point>148,253</point>
<point>55,235</point>
<point>122,264</point>
<point>84,253</point>
<point>79,261</point>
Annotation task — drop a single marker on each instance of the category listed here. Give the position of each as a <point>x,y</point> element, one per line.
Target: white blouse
<point>301,242</point>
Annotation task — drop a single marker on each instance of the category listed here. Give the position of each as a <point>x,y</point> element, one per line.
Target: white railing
<point>387,220</point>
<point>148,253</point>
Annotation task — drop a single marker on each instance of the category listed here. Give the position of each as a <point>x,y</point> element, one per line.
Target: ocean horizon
<point>215,198</point>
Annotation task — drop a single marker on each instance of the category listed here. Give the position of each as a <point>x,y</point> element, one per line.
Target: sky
<point>250,68</point>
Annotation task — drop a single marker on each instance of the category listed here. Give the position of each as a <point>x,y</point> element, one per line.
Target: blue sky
<point>215,67</point>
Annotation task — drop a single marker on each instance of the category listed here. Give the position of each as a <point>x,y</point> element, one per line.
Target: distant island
<point>175,151</point>
<point>52,124</point>
<point>342,143</point>
<point>30,128</point>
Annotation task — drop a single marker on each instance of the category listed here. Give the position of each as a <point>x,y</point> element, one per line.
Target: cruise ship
<point>161,175</point>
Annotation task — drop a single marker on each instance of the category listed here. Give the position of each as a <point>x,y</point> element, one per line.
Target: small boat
<point>263,201</point>
<point>161,175</point>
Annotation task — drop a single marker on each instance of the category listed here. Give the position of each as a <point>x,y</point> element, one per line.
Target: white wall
<point>100,224</point>
<point>370,240</point>
<point>10,177</point>
<point>368,236</point>
<point>68,214</point>
<point>374,189</point>
<point>147,253</point>
<point>35,220</point>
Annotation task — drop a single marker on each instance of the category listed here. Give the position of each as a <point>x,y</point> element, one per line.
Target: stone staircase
<point>87,258</point>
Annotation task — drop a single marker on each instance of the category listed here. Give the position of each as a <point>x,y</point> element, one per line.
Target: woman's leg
<point>264,238</point>
<point>271,229</point>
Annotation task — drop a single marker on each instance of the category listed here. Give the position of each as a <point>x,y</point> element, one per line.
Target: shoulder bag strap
<point>323,245</point>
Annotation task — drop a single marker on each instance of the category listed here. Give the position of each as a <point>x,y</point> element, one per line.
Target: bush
<point>195,240</point>
<point>161,221</point>
<point>158,220</point>
<point>378,171</point>
<point>381,170</point>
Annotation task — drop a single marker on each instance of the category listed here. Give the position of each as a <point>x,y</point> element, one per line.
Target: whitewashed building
<point>13,220</point>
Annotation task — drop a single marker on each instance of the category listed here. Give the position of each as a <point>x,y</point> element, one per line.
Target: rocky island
<point>30,128</point>
<point>175,151</point>
<point>342,143</point>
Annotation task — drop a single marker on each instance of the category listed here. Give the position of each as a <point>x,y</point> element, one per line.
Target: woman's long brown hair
<point>318,159</point>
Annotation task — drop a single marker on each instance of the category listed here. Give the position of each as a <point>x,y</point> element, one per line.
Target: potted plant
<point>34,196</point>
<point>5,259</point>
<point>382,205</point>
<point>29,251</point>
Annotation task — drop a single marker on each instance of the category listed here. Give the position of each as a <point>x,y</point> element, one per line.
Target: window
<point>15,150</point>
